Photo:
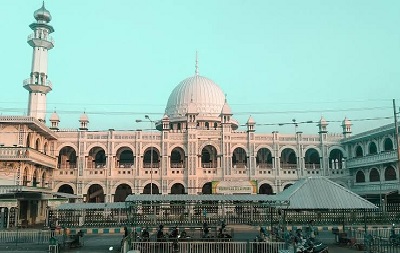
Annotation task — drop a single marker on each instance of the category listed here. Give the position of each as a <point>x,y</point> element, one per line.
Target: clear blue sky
<point>275,60</point>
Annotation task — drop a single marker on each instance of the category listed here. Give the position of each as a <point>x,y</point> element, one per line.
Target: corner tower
<point>38,84</point>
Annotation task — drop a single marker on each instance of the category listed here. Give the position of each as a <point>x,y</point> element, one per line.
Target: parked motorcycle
<point>394,238</point>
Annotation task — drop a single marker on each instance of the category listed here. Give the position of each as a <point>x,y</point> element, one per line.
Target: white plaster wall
<point>39,60</point>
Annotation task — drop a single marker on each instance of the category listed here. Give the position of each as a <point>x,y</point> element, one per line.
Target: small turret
<point>165,122</point>
<point>250,124</point>
<point>54,120</point>
<point>226,113</point>
<point>322,125</point>
<point>346,125</point>
<point>84,120</point>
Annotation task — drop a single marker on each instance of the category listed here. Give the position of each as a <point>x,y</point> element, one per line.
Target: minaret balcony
<point>41,41</point>
<point>33,85</point>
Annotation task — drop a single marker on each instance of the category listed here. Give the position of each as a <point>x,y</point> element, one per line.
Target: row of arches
<point>95,193</point>
<point>125,158</point>
<point>38,143</point>
<point>374,147</point>
<point>374,175</point>
<point>37,178</point>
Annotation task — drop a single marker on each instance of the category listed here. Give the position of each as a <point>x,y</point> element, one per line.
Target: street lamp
<point>151,149</point>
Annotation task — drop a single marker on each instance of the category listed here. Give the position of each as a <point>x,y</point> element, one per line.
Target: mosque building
<point>195,148</point>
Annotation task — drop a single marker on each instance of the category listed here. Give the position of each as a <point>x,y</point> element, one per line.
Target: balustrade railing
<point>312,166</point>
<point>177,165</point>
<point>239,165</point>
<point>67,166</point>
<point>126,165</point>
<point>32,80</point>
<point>264,165</point>
<point>288,166</point>
<point>386,156</point>
<point>44,37</point>
<point>208,165</point>
<point>151,165</point>
<point>27,154</point>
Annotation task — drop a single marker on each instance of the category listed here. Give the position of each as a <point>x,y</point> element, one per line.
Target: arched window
<point>374,175</point>
<point>336,159</point>
<point>372,150</point>
<point>209,157</point>
<point>390,174</point>
<point>239,158</point>
<point>45,148</point>
<point>359,151</point>
<point>288,159</point>
<point>311,159</point>
<point>37,144</point>
<point>264,158</point>
<point>360,177</point>
<point>388,144</point>
<point>177,158</point>
<point>67,158</point>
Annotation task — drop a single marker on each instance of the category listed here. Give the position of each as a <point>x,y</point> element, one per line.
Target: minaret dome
<point>42,14</point>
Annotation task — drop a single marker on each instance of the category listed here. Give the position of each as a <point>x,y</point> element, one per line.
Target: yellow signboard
<point>234,187</point>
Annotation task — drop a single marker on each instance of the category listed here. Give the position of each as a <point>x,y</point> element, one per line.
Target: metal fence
<point>209,247</point>
<point>25,236</point>
<point>380,244</point>
<point>250,214</point>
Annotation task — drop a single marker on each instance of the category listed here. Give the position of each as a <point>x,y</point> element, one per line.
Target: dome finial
<point>197,64</point>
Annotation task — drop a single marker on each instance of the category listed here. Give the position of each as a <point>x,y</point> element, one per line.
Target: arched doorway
<point>66,188</point>
<point>148,190</point>
<point>122,191</point>
<point>95,194</point>
<point>178,189</point>
<point>207,188</point>
<point>266,189</point>
<point>177,207</point>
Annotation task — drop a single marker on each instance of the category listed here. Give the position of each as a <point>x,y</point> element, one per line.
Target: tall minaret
<point>38,85</point>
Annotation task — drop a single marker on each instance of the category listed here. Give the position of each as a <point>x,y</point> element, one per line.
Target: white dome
<point>84,117</point>
<point>54,117</point>
<point>207,97</point>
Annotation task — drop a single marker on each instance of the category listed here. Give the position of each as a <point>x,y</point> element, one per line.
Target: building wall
<point>193,173</point>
